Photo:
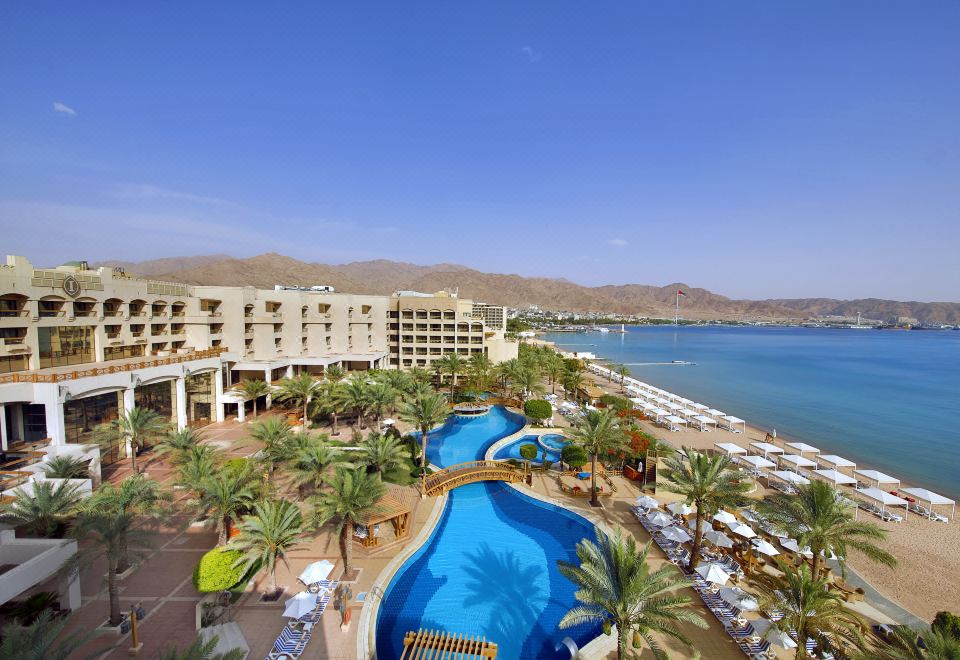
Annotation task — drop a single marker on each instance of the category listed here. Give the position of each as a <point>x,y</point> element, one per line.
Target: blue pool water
<point>882,398</point>
<point>512,449</point>
<point>490,566</point>
<point>489,569</point>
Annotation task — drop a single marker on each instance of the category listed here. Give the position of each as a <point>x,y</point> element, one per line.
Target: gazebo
<point>835,477</point>
<point>796,461</point>
<point>836,462</point>
<point>877,477</point>
<point>932,498</point>
<point>729,448</point>
<point>734,424</point>
<point>802,448</point>
<point>394,507</point>
<point>766,448</point>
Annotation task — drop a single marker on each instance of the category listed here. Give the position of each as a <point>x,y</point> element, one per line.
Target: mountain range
<point>382,276</point>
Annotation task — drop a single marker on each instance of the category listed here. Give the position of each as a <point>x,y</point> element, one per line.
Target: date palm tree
<point>817,517</point>
<point>299,391</point>
<point>135,497</point>
<point>353,494</point>
<point>453,365</point>
<point>266,536</point>
<point>354,395</point>
<point>707,482</point>
<point>67,467</point>
<point>572,382</point>
<point>201,650</point>
<point>598,433</point>
<point>42,640</point>
<point>178,444</point>
<point>616,587</point>
<point>425,412</point>
<point>132,429</point>
<point>252,390</point>
<point>554,369</point>
<point>419,375</point>
<point>334,373</point>
<point>526,380</point>
<point>43,510</point>
<point>382,453</point>
<point>810,609</point>
<point>198,464</point>
<point>277,437</point>
<point>623,372</point>
<point>479,370</point>
<point>905,643</point>
<point>382,397</point>
<point>224,496</point>
<point>311,463</point>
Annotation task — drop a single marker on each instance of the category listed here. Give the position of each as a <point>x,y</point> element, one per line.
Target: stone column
<point>129,403</point>
<point>181,403</point>
<point>53,411</point>
<point>266,378</point>
<point>3,427</point>
<point>68,587</point>
<point>218,395</point>
<point>241,411</point>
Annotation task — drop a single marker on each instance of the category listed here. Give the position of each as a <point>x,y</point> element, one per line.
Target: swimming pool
<point>463,439</point>
<point>554,442</point>
<point>489,569</point>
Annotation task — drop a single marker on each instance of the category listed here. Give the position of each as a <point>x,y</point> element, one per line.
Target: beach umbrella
<point>793,546</point>
<point>725,517</point>
<point>675,534</point>
<point>739,598</point>
<point>659,519</point>
<point>768,631</point>
<point>318,570</point>
<point>743,530</point>
<point>301,604</point>
<point>765,547</point>
<point>713,572</point>
<point>718,539</point>
<point>647,502</point>
<point>680,508</point>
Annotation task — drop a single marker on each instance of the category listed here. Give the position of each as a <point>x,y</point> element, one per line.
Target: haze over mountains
<point>382,276</point>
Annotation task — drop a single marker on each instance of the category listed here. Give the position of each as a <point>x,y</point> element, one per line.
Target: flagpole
<point>676,318</point>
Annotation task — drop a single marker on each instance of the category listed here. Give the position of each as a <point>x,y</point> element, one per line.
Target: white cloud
<point>617,242</point>
<point>150,191</point>
<point>532,55</point>
<point>64,109</point>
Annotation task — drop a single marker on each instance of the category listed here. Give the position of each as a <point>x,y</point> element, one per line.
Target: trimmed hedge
<point>529,451</point>
<point>215,570</point>
<point>574,456</point>
<point>538,409</point>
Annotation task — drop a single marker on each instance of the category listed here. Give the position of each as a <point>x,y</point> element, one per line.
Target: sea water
<point>887,399</point>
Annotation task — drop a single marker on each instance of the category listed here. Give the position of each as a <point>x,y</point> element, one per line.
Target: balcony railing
<point>10,313</point>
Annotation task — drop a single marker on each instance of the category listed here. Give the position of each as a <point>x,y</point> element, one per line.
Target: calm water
<point>887,399</point>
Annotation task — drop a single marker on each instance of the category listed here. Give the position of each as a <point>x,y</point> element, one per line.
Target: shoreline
<point>920,545</point>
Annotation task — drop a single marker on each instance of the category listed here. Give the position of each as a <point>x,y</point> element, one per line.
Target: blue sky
<point>758,149</point>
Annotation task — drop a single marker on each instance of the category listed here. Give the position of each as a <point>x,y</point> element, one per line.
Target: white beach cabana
<point>729,448</point>
<point>687,412</point>
<point>673,406</point>
<point>931,498</point>
<point>704,422</point>
<point>756,462</point>
<point>766,448</point>
<point>789,477</point>
<point>792,545</point>
<point>658,413</point>
<point>660,401</point>
<point>796,461</point>
<point>684,401</point>
<point>713,412</point>
<point>877,477</point>
<point>884,499</point>
<point>835,477</point>
<point>674,423</point>
<point>733,424</point>
<point>698,406</point>
<point>836,462</point>
<point>802,448</point>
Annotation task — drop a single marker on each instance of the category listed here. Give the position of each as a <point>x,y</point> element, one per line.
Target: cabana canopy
<point>802,448</point>
<point>675,421</point>
<point>797,461</point>
<point>758,462</point>
<point>766,448</point>
<point>687,412</point>
<point>925,495</point>
<point>884,498</point>
<point>732,423</point>
<point>713,412</point>
<point>877,477</point>
<point>729,448</point>
<point>836,461</point>
<point>789,477</point>
<point>834,477</point>
<point>698,406</point>
<point>703,421</point>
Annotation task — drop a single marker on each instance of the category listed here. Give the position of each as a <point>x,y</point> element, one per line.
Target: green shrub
<point>618,403</point>
<point>948,623</point>
<point>529,451</point>
<point>538,409</point>
<point>215,571</point>
<point>574,456</point>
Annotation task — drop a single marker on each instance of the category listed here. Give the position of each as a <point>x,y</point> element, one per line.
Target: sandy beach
<point>923,583</point>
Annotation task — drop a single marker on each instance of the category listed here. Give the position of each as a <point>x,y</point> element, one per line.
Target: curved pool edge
<point>367,623</point>
<point>526,430</point>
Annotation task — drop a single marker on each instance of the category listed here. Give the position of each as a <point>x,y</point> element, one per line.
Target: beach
<point>928,552</point>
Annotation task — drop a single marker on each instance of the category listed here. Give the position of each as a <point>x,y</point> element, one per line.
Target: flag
<point>681,293</point>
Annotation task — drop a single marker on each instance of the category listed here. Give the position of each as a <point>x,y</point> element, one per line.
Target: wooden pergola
<point>430,644</point>
<point>394,507</point>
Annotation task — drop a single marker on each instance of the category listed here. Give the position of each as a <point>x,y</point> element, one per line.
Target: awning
<point>797,461</point>
<point>789,477</point>
<point>729,448</point>
<point>758,462</point>
<point>877,477</point>
<point>803,447</point>
<point>836,461</point>
<point>766,448</point>
<point>835,477</point>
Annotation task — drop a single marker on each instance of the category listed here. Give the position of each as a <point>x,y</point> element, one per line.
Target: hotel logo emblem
<point>71,286</point>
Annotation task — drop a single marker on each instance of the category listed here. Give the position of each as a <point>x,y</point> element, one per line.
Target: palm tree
<point>353,494</point>
<point>310,465</point>
<point>132,428</point>
<point>251,390</point>
<point>479,370</point>
<point>277,437</point>
<point>274,528</point>
<point>419,375</point>
<point>526,380</point>
<point>615,586</point>
<point>707,482</point>
<point>623,372</point>
<point>382,397</point>
<point>67,467</point>
<point>198,464</point>
<point>299,391</point>
<point>598,433</point>
<point>425,412</point>
<point>809,608</point>
<point>554,370</point>
<point>113,536</point>
<point>382,453</point>
<point>42,639</point>
<point>334,373</point>
<point>816,517</point>
<point>43,510</point>
<point>330,403</point>
<point>572,382</point>
<point>179,444</point>
<point>354,395</point>
<point>135,497</point>
<point>224,496</point>
<point>453,365</point>
<point>201,650</point>
<point>904,643</point>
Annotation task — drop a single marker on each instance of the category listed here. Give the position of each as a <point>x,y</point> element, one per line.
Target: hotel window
<point>209,306</point>
<point>121,352</point>
<point>272,307</point>
<point>393,314</point>
<point>159,397</point>
<point>34,422</point>
<point>323,308</point>
<point>10,363</point>
<point>421,313</point>
<point>84,307</point>
<point>12,305</point>
<point>407,314</point>
<point>63,346</point>
<point>365,309</point>
<point>158,308</point>
<point>136,330</point>
<point>13,336</point>
<point>449,315</point>
<point>435,314</point>
<point>200,398</point>
<point>178,309</point>
<point>136,307</point>
<point>51,307</point>
<point>81,417</point>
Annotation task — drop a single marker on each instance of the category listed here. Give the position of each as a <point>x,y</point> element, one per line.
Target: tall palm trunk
<point>123,558</point>
<point>112,590</point>
<point>306,403</point>
<point>423,461</point>
<point>697,541</point>
<point>816,563</point>
<point>133,456</point>
<point>224,531</point>
<point>335,430</point>
<point>254,407</point>
<point>346,540</point>
<point>594,500</point>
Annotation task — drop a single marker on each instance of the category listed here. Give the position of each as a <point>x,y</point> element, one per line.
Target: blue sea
<point>887,399</point>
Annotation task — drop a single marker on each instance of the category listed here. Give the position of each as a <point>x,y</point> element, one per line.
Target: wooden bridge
<point>470,472</point>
